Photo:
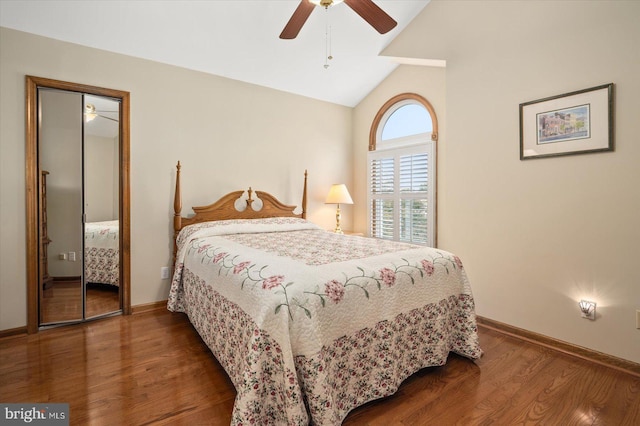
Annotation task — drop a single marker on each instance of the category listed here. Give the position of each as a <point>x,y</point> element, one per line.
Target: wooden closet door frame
<point>32,182</point>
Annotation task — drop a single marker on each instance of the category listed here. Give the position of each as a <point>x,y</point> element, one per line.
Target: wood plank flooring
<point>152,368</point>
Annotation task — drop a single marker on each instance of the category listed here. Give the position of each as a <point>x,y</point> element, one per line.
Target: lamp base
<point>338,230</point>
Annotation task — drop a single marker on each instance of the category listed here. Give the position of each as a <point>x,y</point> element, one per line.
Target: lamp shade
<point>338,194</point>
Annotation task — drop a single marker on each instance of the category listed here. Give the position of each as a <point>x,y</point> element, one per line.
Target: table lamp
<point>338,194</point>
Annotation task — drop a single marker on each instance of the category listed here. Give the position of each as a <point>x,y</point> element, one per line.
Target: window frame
<point>399,146</point>
<point>390,107</point>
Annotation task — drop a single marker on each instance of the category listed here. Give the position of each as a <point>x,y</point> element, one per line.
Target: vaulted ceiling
<point>237,39</point>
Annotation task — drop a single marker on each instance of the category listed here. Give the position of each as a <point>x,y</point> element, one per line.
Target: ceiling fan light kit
<point>367,9</point>
<point>325,3</point>
<point>90,113</point>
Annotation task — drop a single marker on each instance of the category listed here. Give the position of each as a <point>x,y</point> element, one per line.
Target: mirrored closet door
<point>78,168</point>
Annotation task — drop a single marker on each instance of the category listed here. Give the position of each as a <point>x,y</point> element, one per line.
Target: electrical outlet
<point>164,273</point>
<point>62,256</point>
<point>638,318</point>
<point>72,256</point>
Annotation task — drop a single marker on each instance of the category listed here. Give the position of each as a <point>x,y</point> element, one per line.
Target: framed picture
<point>572,123</point>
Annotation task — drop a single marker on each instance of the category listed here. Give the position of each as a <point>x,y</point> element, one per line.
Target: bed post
<point>177,209</point>
<point>304,197</point>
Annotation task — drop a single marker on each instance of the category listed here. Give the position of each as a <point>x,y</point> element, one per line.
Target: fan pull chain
<point>327,44</point>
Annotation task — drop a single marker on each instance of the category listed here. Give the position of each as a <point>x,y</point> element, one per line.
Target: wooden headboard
<point>225,208</point>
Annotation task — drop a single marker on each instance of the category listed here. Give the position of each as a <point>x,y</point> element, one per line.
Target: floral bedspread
<point>102,252</point>
<point>310,324</point>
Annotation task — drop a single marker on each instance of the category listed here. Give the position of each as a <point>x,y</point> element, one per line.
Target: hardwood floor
<point>152,368</point>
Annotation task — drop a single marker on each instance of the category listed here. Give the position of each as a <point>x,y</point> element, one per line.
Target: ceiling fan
<point>90,113</point>
<point>367,9</point>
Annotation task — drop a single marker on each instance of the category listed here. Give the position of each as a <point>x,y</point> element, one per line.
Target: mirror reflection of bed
<point>101,267</point>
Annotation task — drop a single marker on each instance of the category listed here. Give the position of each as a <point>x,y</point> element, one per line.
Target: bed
<point>309,324</point>
<point>102,253</point>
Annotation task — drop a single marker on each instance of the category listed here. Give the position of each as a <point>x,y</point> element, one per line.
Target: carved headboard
<point>225,208</point>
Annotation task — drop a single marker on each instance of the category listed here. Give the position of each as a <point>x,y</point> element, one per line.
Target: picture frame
<point>572,123</point>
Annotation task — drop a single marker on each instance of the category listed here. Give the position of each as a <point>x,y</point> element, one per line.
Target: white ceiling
<point>237,39</point>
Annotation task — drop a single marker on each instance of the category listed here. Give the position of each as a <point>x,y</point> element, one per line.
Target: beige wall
<point>536,236</point>
<point>229,135</point>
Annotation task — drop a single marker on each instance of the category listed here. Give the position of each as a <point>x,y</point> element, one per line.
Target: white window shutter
<point>401,194</point>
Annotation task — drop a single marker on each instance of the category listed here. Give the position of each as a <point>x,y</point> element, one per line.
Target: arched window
<point>402,171</point>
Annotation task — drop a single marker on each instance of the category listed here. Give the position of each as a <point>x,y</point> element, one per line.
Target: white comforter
<point>298,315</point>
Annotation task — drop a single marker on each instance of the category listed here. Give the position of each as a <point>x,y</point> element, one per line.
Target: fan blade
<point>108,118</point>
<point>297,20</point>
<point>371,12</point>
